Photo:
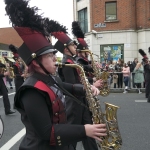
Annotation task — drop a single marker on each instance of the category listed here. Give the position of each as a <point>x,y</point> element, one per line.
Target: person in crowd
<point>40,99</point>
<point>4,91</point>
<point>115,77</point>
<point>118,68</point>
<point>126,74</point>
<point>139,76</point>
<point>132,66</point>
<point>131,70</point>
<point>83,116</point>
<point>18,72</point>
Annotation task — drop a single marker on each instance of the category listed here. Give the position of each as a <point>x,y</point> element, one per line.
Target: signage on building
<point>100,25</point>
<point>4,53</point>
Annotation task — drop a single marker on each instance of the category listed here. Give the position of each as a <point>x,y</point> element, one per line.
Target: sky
<point>59,10</point>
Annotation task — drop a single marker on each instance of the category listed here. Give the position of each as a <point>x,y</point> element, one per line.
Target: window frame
<point>106,12</point>
<point>84,22</point>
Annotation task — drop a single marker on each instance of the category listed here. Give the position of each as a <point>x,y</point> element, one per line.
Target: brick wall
<point>131,14</point>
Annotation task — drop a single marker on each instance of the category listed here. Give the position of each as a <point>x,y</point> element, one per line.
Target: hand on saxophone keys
<point>98,83</point>
<point>6,73</point>
<point>96,131</point>
<point>95,91</point>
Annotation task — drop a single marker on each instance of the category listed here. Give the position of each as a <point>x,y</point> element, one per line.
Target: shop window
<point>111,10</point>
<point>111,52</point>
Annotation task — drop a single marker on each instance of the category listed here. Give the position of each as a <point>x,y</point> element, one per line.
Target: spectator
<point>131,70</point>
<point>118,68</point>
<point>126,74</point>
<point>138,77</point>
<point>133,65</point>
<point>115,77</point>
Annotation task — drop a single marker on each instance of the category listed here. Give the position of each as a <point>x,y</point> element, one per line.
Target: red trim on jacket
<point>59,115</point>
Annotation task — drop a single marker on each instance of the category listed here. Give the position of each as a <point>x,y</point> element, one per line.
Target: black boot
<point>9,112</point>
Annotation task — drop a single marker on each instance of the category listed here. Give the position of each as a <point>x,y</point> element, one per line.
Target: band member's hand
<point>95,90</point>
<point>98,83</point>
<point>6,73</point>
<point>94,79</point>
<point>23,75</point>
<point>95,131</point>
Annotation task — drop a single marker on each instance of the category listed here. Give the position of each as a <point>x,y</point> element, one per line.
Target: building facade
<point>115,28</point>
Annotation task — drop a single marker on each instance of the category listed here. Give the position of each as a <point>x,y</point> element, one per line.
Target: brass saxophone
<point>113,140</point>
<point>105,89</point>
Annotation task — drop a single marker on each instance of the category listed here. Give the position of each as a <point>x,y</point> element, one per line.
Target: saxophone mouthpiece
<point>59,64</point>
<point>78,50</point>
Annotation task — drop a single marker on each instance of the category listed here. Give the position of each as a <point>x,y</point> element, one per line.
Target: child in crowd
<point>115,78</point>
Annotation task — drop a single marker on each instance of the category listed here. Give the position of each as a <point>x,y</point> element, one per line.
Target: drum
<point>1,127</point>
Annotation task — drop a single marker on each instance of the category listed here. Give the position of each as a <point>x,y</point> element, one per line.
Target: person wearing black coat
<point>147,79</point>
<point>76,114</point>
<point>19,75</point>
<point>40,99</point>
<point>118,68</point>
<point>41,102</point>
<point>4,91</point>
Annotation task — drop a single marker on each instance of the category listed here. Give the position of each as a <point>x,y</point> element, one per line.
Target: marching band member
<point>18,72</point>
<point>147,74</point>
<point>40,99</point>
<point>76,114</point>
<point>82,57</point>
<point>4,91</point>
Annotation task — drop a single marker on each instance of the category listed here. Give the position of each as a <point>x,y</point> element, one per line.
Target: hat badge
<point>33,55</point>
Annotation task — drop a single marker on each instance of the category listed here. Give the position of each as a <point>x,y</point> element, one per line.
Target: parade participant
<point>4,91</point>
<point>18,73</point>
<point>82,57</point>
<point>40,100</point>
<point>146,73</point>
<point>71,75</point>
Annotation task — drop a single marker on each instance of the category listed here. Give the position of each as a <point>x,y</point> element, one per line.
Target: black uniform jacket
<point>87,68</point>
<point>17,71</point>
<point>36,114</point>
<point>147,72</point>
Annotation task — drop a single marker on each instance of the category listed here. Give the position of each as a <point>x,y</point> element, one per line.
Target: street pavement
<point>133,120</point>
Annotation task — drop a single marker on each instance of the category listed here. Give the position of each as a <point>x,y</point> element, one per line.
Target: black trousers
<point>77,114</point>
<point>4,93</point>
<point>120,80</point>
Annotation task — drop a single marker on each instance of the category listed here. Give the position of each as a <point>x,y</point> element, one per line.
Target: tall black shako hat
<point>29,25</point>
<point>143,54</point>
<point>63,41</point>
<point>14,51</point>
<point>78,33</point>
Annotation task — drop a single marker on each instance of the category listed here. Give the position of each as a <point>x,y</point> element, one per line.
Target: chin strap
<point>37,60</point>
<point>71,52</point>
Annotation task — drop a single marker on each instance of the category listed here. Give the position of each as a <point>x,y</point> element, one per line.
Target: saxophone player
<point>82,56</point>
<point>76,114</point>
<point>40,100</point>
